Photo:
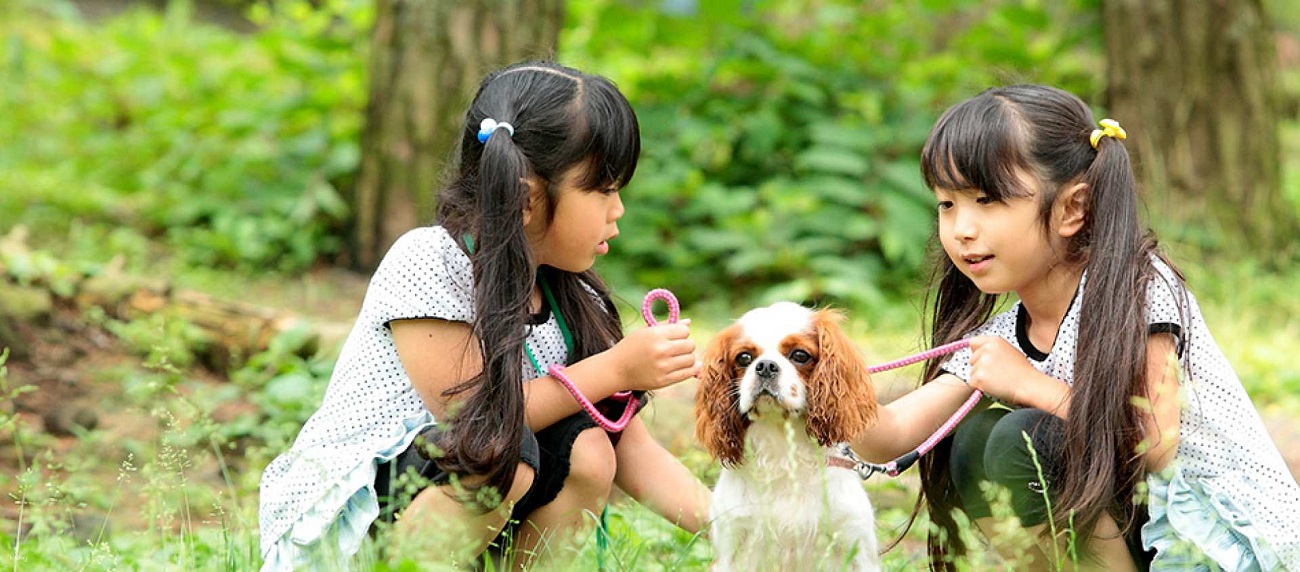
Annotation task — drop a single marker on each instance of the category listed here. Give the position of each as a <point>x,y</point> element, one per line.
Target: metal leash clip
<point>866,470</point>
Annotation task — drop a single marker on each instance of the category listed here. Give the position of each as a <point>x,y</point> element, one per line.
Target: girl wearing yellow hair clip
<point>1114,424</point>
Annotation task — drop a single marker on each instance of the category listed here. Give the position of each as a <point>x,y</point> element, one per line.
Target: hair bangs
<point>610,140</point>
<point>977,145</point>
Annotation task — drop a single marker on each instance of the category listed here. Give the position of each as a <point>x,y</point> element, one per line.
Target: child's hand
<point>656,356</point>
<point>998,369</point>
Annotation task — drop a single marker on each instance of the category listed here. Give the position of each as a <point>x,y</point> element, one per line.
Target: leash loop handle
<point>631,405</point>
<point>647,306</point>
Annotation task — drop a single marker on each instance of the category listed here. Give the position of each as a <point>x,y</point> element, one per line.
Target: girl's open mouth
<point>977,263</point>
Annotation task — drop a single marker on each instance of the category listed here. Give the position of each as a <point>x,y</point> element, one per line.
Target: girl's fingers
<point>680,347</point>
<point>670,349</point>
<point>677,331</point>
<point>676,363</point>
<point>685,373</point>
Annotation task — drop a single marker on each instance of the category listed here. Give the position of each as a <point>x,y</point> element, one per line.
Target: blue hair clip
<point>490,126</point>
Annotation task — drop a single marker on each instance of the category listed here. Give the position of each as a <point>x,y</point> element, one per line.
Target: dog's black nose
<point>766,368</point>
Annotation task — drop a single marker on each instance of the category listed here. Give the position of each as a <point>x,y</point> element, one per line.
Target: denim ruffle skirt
<point>1195,525</point>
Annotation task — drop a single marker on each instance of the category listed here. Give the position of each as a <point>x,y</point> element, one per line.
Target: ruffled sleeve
<point>1167,305</point>
<point>424,275</point>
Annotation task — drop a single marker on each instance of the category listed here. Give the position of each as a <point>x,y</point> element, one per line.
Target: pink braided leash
<point>630,407</point>
<point>893,468</point>
<point>925,355</point>
<point>961,411</point>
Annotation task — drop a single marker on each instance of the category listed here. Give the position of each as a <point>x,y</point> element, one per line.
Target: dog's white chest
<point>783,508</point>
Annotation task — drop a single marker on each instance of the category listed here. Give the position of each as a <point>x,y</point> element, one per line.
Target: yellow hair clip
<point>1109,128</point>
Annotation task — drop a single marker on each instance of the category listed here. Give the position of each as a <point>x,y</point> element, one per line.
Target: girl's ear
<point>1071,210</point>
<point>535,202</point>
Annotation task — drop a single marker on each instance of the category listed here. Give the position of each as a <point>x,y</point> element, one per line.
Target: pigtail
<point>487,429</point>
<point>957,307</point>
<point>1104,428</point>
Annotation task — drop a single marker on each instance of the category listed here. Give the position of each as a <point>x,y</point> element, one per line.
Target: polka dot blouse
<point>371,412</point>
<point>1224,451</point>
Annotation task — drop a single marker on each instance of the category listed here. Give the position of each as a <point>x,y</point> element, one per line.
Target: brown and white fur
<point>779,390</point>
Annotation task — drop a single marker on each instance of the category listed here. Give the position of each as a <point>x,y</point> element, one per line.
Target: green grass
<point>181,491</point>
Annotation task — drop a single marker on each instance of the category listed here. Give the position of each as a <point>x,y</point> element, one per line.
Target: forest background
<point>192,194</point>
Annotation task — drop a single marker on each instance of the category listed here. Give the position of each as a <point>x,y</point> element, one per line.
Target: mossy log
<point>231,330</point>
<point>21,306</point>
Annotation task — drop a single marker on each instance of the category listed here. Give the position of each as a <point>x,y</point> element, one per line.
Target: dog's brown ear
<point>718,424</point>
<point>841,399</point>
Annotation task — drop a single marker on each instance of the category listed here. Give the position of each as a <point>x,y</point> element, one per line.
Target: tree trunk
<point>1193,81</point>
<point>427,58</point>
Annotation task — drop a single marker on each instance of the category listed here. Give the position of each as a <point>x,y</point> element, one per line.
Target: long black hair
<point>563,120</point>
<point>989,143</point>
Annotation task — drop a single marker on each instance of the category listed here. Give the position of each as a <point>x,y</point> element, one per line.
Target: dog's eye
<point>800,357</point>
<point>743,359</point>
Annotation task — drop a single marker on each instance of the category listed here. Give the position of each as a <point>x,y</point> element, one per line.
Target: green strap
<point>602,527</point>
<point>564,331</point>
<point>559,318</point>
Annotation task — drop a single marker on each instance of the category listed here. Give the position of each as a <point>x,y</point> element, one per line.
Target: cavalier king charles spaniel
<point>780,393</point>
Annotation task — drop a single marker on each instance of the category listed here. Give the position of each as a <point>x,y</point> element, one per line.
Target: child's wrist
<point>606,373</point>
<point>1049,394</point>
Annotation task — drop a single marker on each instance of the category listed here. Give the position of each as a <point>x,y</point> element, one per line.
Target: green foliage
<point>781,139</point>
<point>10,426</point>
<point>40,267</point>
<point>227,147</point>
<point>286,384</point>
<point>159,338</point>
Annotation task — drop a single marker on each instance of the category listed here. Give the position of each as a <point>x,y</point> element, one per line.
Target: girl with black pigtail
<point>1108,396</point>
<point>439,417</point>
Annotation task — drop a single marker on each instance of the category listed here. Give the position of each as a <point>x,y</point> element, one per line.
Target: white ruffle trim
<point>1195,526</point>
<point>336,525</point>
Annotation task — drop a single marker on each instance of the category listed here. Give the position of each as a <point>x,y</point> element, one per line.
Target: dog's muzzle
<point>767,373</point>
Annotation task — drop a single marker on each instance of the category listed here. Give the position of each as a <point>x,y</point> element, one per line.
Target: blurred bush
<point>225,146</point>
<point>781,139</point>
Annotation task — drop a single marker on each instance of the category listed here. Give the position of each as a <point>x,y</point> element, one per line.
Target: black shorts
<point>546,451</point>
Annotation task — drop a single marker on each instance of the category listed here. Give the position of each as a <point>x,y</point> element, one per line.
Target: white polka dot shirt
<point>1224,447</point>
<point>371,411</point>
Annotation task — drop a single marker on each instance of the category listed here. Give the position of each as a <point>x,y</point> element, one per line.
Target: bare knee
<point>592,463</point>
<point>524,476</point>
